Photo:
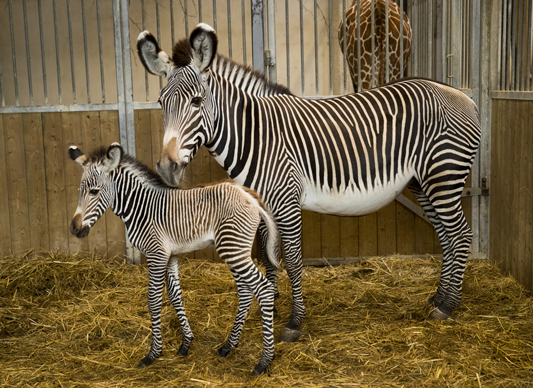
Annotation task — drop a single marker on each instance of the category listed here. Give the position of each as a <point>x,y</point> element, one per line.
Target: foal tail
<point>273,240</point>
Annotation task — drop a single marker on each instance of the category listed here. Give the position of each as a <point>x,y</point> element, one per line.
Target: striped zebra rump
<point>163,222</point>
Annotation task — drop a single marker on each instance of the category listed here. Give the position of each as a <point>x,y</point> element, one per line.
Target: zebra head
<point>97,190</point>
<point>187,102</point>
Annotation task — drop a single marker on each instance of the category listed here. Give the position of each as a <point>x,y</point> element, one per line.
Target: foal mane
<point>242,76</point>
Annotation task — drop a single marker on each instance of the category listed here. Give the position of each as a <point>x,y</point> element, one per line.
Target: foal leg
<point>245,301</point>
<point>175,297</point>
<point>157,265</point>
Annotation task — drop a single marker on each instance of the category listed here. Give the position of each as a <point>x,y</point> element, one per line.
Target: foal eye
<point>94,191</point>
<point>196,101</point>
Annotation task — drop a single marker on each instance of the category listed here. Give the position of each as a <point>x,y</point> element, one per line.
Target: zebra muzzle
<point>77,229</point>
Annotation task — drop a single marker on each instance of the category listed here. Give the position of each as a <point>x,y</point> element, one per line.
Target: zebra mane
<point>132,164</point>
<point>242,76</point>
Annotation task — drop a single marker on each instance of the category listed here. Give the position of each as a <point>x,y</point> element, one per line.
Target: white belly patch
<point>194,245</point>
<point>351,201</point>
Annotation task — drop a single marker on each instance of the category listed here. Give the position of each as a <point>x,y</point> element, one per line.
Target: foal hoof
<point>223,351</point>
<point>290,335</point>
<point>147,361</point>
<point>183,350</point>
<point>441,312</point>
<point>259,370</point>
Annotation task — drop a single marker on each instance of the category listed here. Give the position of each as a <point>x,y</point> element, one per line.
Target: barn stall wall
<point>81,77</point>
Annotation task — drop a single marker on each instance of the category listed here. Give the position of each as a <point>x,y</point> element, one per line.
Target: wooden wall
<point>41,185</point>
<point>511,188</point>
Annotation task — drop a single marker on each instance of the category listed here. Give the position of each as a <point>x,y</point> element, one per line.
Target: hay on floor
<point>83,321</point>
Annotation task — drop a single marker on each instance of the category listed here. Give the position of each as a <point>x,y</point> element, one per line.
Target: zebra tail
<point>272,244</point>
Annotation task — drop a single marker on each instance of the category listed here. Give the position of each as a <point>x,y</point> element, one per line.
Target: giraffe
<point>379,49</point>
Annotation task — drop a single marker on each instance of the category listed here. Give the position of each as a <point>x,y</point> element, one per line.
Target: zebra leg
<point>460,240</point>
<point>271,272</point>
<point>175,297</point>
<point>156,269</point>
<point>447,261</point>
<point>290,227</point>
<point>245,301</point>
<point>459,236</point>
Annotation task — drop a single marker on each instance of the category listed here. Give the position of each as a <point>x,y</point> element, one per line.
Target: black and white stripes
<point>162,222</point>
<point>349,155</point>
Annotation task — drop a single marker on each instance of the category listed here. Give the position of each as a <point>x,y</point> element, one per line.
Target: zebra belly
<point>194,245</point>
<point>352,201</point>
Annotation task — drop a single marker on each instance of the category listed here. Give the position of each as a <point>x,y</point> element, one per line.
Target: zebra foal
<point>162,222</point>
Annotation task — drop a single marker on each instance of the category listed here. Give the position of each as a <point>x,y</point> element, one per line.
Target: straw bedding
<point>83,321</point>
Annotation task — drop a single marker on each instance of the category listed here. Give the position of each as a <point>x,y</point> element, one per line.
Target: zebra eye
<point>94,191</point>
<point>196,101</point>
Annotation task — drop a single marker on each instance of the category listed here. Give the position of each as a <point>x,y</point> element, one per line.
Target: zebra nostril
<point>158,166</point>
<point>174,166</point>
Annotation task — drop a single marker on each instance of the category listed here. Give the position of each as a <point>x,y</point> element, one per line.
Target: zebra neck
<point>134,192</point>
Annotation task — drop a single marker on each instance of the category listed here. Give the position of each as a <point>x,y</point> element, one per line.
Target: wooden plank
<point>405,227</point>
<point>527,207</point>
<point>143,136</point>
<point>496,227</point>
<point>330,236</point>
<point>525,196</point>
<point>72,134</point>
<point>17,187</point>
<point>386,218</point>
<point>90,125</point>
<point>5,223</point>
<point>116,232</point>
<point>368,235</point>
<point>349,236</point>
<point>36,179</point>
<point>157,132</point>
<point>54,152</point>
<point>311,234</point>
<point>520,126</point>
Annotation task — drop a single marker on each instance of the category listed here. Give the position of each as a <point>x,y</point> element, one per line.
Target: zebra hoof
<point>259,369</point>
<point>290,335</point>
<point>147,361</point>
<point>223,351</point>
<point>442,312</point>
<point>183,350</point>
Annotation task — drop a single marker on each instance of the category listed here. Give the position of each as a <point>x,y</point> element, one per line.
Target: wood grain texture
<point>54,151</point>
<point>368,235</point>
<point>386,224</point>
<point>36,180</point>
<point>511,190</point>
<point>311,234</point>
<point>330,235</point>
<point>17,187</point>
<point>5,222</point>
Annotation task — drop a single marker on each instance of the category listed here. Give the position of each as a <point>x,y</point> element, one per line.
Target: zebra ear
<point>204,43</point>
<point>112,159</point>
<point>76,155</point>
<point>152,57</point>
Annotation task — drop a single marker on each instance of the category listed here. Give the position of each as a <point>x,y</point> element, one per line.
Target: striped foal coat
<point>162,222</point>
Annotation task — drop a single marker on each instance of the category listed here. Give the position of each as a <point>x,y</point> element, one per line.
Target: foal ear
<point>152,57</point>
<point>112,159</point>
<point>204,44</point>
<point>76,155</point>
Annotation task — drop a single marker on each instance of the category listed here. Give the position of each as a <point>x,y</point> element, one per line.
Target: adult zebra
<point>348,155</point>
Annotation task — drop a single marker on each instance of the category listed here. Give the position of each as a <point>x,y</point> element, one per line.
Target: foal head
<point>97,190</point>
